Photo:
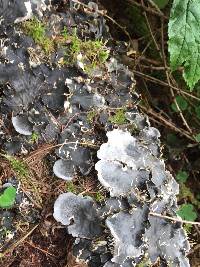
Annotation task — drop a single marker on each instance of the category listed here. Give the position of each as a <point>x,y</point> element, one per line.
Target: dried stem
<point>147,9</point>
<point>17,243</point>
<point>102,13</point>
<point>173,219</point>
<point>166,122</point>
<point>162,56</point>
<point>157,81</point>
<point>169,82</point>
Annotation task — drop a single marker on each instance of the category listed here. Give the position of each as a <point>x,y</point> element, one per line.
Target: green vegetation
<point>119,117</point>
<point>182,176</point>
<point>181,102</point>
<point>70,187</point>
<point>99,197</point>
<point>184,44</point>
<point>34,137</point>
<point>145,263</point>
<point>186,194</point>
<point>7,198</point>
<point>91,115</point>
<point>19,167</point>
<point>197,137</point>
<point>37,30</point>
<point>92,53</point>
<point>187,211</point>
<point>161,3</point>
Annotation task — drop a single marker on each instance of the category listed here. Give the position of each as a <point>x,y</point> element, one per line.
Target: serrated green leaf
<point>184,39</point>
<point>187,212</point>
<point>182,103</point>
<point>182,176</point>
<point>161,3</point>
<point>7,199</point>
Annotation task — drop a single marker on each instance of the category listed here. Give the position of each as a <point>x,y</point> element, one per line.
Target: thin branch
<point>156,7</point>
<point>162,56</point>
<point>147,9</point>
<point>173,219</point>
<point>102,13</point>
<point>17,243</point>
<point>40,249</point>
<point>157,81</point>
<point>166,122</point>
<point>169,82</point>
<point>194,249</point>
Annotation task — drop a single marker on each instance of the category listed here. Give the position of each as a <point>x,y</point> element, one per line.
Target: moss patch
<point>94,53</point>
<point>119,117</point>
<point>37,30</point>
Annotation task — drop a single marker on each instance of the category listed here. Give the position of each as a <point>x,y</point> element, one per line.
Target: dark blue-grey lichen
<point>54,101</point>
<point>79,214</point>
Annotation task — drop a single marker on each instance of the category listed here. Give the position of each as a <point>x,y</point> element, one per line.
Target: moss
<point>186,193</point>
<point>18,166</point>
<point>94,52</point>
<point>37,30</point>
<point>119,117</point>
<point>91,115</point>
<point>99,197</point>
<point>145,263</point>
<point>34,137</point>
<point>71,187</point>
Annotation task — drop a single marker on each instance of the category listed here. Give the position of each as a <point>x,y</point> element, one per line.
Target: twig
<point>153,67</point>
<point>147,9</point>
<point>102,13</point>
<point>167,123</point>
<point>40,249</point>
<point>169,82</point>
<point>162,56</point>
<point>156,7</point>
<point>60,145</point>
<point>173,219</point>
<point>12,247</point>
<point>157,81</point>
<point>194,249</point>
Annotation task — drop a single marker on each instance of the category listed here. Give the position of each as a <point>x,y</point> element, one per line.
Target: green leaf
<point>184,39</point>
<point>7,199</point>
<point>182,103</point>
<point>187,212</point>
<point>161,3</point>
<point>182,176</point>
<point>197,137</point>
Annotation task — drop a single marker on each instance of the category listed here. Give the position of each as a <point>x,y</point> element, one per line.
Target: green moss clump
<point>70,187</point>
<point>94,52</point>
<point>145,263</point>
<point>34,137</point>
<point>99,197</point>
<point>91,115</point>
<point>37,30</point>
<point>119,117</point>
<point>18,166</point>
